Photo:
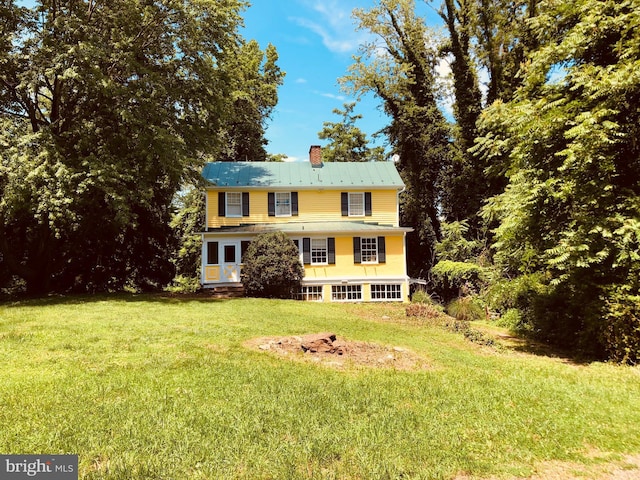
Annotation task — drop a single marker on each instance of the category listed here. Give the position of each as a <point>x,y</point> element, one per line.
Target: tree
<point>105,109</point>
<point>490,36</point>
<point>271,267</point>
<point>186,223</point>
<point>571,210</point>
<point>256,78</point>
<point>347,142</point>
<point>400,70</point>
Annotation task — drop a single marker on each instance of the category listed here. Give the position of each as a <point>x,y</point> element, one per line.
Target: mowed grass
<point>146,387</point>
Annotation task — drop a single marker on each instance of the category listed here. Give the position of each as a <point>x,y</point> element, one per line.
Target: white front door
<point>230,265</point>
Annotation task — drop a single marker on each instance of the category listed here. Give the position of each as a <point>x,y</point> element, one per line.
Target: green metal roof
<point>342,227</point>
<point>303,175</point>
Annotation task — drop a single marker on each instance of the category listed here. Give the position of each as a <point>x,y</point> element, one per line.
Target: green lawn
<point>146,387</point>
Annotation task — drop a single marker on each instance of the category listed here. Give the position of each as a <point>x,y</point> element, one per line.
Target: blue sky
<point>316,40</point>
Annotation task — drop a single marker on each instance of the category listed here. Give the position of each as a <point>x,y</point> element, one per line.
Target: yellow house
<point>343,216</point>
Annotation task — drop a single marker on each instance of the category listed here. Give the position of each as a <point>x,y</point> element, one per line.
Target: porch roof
<point>311,228</point>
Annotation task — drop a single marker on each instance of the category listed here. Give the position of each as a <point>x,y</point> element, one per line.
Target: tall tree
<point>255,80</point>
<point>103,109</point>
<point>347,142</point>
<point>399,68</point>
<point>485,37</point>
<point>571,209</point>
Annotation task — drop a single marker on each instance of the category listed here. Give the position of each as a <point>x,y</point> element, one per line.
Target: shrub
<point>465,309</point>
<point>451,279</point>
<point>272,267</point>
<point>420,296</point>
<point>511,320</point>
<point>621,336</point>
<point>504,294</point>
<point>183,284</point>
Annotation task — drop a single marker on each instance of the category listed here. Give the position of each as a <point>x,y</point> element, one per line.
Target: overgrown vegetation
<point>539,188</point>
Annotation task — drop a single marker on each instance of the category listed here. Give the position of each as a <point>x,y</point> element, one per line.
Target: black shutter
<point>357,258</point>
<point>212,253</point>
<point>221,204</point>
<point>294,204</point>
<point>272,204</point>
<point>344,203</point>
<point>245,204</point>
<point>382,250</point>
<point>367,204</point>
<point>331,250</point>
<point>306,251</point>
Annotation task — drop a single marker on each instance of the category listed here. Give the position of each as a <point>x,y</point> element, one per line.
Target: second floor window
<point>234,204</point>
<point>283,204</point>
<point>356,204</point>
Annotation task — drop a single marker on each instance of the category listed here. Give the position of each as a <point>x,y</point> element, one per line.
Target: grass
<point>146,387</point>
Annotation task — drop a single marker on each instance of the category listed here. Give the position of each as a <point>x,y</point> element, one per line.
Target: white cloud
<point>301,80</point>
<point>333,23</point>
<point>333,96</point>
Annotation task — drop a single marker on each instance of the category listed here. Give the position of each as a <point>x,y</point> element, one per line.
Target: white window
<point>369,249</point>
<point>392,291</point>
<point>319,251</point>
<point>311,293</point>
<point>344,293</point>
<point>283,204</point>
<point>356,204</point>
<point>234,204</point>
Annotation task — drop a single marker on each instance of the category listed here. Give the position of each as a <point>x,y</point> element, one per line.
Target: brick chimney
<point>315,156</point>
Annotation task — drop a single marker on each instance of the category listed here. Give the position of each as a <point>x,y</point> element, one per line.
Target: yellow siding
<point>313,206</point>
<point>212,274</point>
<point>345,268</point>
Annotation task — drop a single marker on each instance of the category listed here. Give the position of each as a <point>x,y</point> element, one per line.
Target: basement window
<point>346,293</point>
<point>391,291</point>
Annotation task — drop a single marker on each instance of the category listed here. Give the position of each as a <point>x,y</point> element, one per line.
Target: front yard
<point>148,387</point>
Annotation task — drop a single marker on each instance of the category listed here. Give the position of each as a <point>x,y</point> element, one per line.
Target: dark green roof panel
<point>302,174</point>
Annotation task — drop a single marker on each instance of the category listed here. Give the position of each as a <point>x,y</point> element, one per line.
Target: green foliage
<point>271,267</point>
<point>571,208</point>
<point>403,75</point>
<point>182,284</point>
<point>511,320</point>
<point>465,309</point>
<point>106,111</point>
<point>421,296</point>
<point>187,223</point>
<point>621,332</point>
<point>452,279</point>
<point>505,294</point>
<point>254,94</point>
<point>347,143</point>
<point>454,246</point>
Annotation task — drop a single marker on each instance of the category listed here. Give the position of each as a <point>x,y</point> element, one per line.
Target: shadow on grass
<point>530,346</point>
<point>80,299</point>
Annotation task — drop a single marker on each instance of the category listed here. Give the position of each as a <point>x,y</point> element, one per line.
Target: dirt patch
<point>340,353</point>
<point>626,469</point>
